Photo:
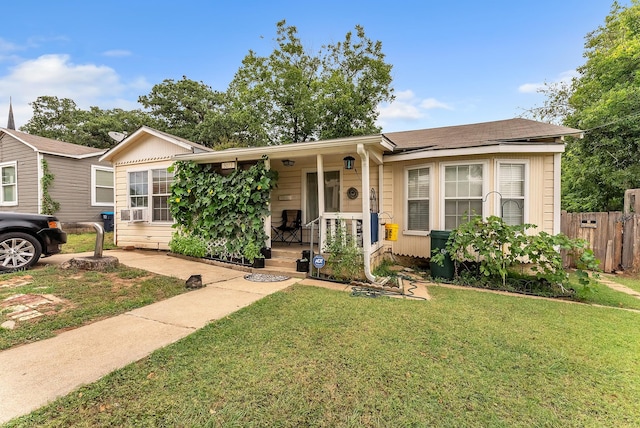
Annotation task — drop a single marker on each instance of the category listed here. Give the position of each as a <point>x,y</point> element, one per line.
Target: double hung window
<point>140,193</point>
<point>101,186</point>
<point>418,181</point>
<point>463,193</point>
<point>511,187</point>
<point>9,174</point>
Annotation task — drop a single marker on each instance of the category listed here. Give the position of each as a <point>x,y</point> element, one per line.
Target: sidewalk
<point>35,374</point>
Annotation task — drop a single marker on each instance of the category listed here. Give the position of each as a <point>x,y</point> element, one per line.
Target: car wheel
<point>18,251</point>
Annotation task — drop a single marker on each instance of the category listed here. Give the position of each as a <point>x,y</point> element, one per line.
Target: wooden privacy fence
<point>614,238</point>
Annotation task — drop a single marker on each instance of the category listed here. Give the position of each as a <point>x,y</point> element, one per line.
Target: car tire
<point>18,251</point>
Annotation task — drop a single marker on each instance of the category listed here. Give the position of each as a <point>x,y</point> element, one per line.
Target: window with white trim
<point>161,180</point>
<point>463,192</point>
<point>511,187</point>
<point>102,186</point>
<point>140,192</point>
<point>139,189</point>
<point>9,183</point>
<point>417,185</point>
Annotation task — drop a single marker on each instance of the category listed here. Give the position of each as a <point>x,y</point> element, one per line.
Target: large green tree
<point>296,95</point>
<point>604,101</point>
<point>61,119</point>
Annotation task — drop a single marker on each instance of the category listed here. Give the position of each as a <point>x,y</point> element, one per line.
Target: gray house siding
<point>27,173</point>
<point>71,188</point>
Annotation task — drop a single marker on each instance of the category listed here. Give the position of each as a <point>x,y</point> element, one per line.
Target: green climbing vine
<point>226,211</point>
<point>49,206</point>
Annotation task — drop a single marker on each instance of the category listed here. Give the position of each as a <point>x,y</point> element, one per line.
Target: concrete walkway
<point>35,374</point>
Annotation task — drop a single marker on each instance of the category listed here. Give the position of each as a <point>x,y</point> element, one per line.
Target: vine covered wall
<point>226,212</point>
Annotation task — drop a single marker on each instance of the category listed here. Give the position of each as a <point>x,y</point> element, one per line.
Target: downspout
<point>366,218</point>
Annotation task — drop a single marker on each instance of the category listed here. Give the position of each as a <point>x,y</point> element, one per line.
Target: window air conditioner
<point>133,215</point>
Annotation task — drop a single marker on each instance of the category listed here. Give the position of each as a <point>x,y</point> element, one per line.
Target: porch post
<point>322,227</point>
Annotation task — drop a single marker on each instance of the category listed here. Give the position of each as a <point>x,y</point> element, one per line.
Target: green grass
<point>88,296</point>
<point>318,358</point>
<point>83,242</point>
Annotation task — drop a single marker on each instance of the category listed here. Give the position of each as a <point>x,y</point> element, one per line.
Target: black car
<point>26,237</point>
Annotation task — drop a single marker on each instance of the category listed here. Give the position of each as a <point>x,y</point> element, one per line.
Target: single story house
<point>78,181</point>
<point>415,181</point>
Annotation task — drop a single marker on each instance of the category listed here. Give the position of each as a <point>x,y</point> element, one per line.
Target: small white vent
<point>132,216</point>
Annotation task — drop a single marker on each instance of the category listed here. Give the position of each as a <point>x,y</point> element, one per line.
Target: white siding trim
<point>474,151</point>
<point>40,174</point>
<point>557,159</point>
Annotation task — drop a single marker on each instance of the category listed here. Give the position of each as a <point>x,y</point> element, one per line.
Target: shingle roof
<point>50,146</point>
<point>479,134</point>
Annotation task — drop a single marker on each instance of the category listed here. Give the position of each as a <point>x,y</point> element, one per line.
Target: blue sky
<point>453,62</point>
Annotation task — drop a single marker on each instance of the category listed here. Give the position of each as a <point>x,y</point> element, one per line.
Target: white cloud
<point>117,53</point>
<point>55,75</point>
<point>407,106</point>
<point>432,103</point>
<point>6,46</point>
<point>533,88</point>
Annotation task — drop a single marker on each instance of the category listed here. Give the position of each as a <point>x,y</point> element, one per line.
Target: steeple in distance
<point>11,124</point>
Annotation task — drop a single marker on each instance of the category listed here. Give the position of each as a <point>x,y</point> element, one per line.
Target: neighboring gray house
<point>82,185</point>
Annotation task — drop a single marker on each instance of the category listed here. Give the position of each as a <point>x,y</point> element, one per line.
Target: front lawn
<point>319,358</point>
<point>73,298</point>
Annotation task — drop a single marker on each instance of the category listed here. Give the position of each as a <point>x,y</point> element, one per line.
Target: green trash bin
<point>439,242</point>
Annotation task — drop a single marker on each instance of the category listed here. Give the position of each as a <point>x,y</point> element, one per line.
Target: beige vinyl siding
<point>149,153</point>
<point>539,193</point>
<point>71,188</point>
<point>143,234</point>
<point>27,179</point>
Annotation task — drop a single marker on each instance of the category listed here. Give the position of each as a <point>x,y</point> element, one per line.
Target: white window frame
<point>94,186</point>
<point>305,191</point>
<point>406,230</point>
<point>149,195</point>
<point>485,186</point>
<point>13,164</point>
<point>154,195</point>
<point>525,198</point>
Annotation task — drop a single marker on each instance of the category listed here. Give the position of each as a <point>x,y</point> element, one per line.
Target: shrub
<point>497,247</point>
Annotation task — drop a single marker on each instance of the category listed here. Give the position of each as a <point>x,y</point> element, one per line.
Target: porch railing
<point>351,224</point>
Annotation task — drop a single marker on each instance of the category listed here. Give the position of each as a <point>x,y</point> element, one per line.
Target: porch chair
<point>291,228</point>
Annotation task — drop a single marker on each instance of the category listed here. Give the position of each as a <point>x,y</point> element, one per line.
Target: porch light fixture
<point>288,162</point>
<point>349,162</point>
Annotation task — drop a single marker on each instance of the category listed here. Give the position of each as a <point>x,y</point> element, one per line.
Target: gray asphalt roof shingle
<point>49,145</point>
<point>479,134</point>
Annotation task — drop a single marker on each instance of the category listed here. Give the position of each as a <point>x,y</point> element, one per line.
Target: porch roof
<point>308,148</point>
